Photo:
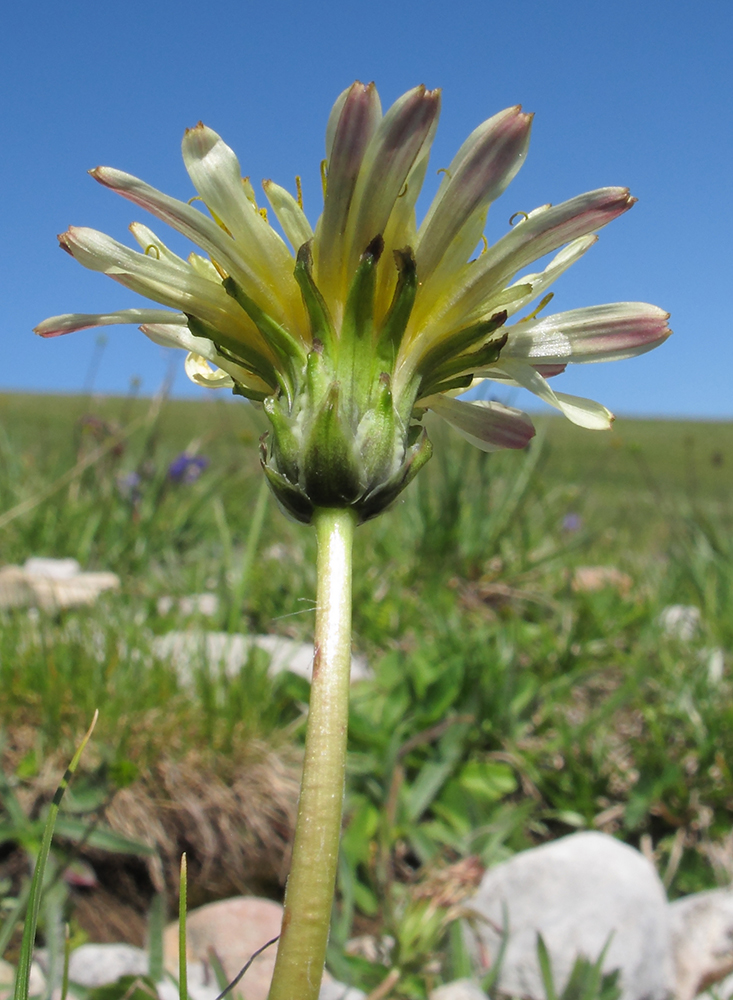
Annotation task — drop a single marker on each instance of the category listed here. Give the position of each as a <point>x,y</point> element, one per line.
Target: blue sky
<point>624,93</point>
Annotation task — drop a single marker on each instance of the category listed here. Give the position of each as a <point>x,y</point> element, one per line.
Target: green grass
<point>506,706</point>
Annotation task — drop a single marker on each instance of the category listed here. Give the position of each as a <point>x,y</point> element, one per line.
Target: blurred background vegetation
<point>528,679</point>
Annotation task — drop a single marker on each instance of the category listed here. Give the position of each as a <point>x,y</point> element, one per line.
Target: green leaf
<point>487,780</point>
<point>23,974</point>
<point>101,837</point>
<point>543,957</point>
<point>11,805</point>
<point>360,832</point>
<point>365,899</point>
<point>460,959</point>
<point>156,926</point>
<point>126,988</point>
<point>429,781</point>
<point>491,979</point>
<point>453,808</point>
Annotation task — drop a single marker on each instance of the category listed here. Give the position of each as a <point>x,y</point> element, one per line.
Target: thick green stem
<point>309,896</point>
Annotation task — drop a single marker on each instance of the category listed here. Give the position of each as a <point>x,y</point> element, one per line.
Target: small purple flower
<point>572,522</point>
<point>187,468</point>
<point>129,486</point>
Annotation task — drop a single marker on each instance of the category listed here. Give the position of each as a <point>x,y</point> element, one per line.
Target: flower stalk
<point>309,895</point>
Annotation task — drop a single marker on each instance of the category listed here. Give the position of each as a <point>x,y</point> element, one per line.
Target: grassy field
<point>516,696</point>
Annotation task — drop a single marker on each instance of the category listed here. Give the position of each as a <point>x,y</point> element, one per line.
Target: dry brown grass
<point>236,828</point>
<point>233,815</point>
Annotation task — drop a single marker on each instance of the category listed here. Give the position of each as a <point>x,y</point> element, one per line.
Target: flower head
<point>350,333</point>
<point>186,468</point>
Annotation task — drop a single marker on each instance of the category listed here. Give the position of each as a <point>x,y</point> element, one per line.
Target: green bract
<point>340,434</point>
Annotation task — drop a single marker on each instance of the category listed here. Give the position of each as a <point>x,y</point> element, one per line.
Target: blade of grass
<point>23,975</point>
<point>182,963</point>
<point>595,978</point>
<point>543,957</point>
<point>491,979</point>
<point>54,898</point>
<point>239,587</point>
<point>67,955</point>
<point>222,980</point>
<point>14,916</point>
<point>25,506</point>
<point>156,926</point>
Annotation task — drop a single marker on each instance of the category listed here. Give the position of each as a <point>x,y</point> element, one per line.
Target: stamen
<point>263,213</point>
<point>299,188</point>
<point>443,170</point>
<point>485,245</point>
<point>324,176</point>
<point>152,246</point>
<point>249,191</point>
<point>518,215</point>
<point>220,270</point>
<point>543,302</point>
<point>214,216</point>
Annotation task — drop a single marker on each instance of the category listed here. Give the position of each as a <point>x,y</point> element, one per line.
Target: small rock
<point>36,985</point>
<point>37,982</point>
<point>54,569</point>
<point>702,941</point>
<point>577,892</point>
<point>234,928</point>
<point>187,650</point>
<point>588,579</point>
<point>52,585</point>
<point>373,949</point>
<point>724,989</point>
<point>716,665</point>
<point>202,984</point>
<point>331,989</point>
<point>459,989</point>
<point>192,604</point>
<point>93,965</point>
<point>7,979</point>
<point>680,621</point>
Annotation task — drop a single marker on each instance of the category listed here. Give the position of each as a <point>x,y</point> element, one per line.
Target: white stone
<point>7,973</point>
<point>223,650</point>
<point>702,941</point>
<point>459,989</point>
<point>331,989</point>
<point>205,604</point>
<point>724,989</point>
<point>716,665</point>
<point>234,928</point>
<point>36,984</point>
<point>52,585</point>
<point>577,892</point>
<point>54,569</point>
<point>588,579</point>
<point>202,984</point>
<point>680,621</point>
<point>93,965</point>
